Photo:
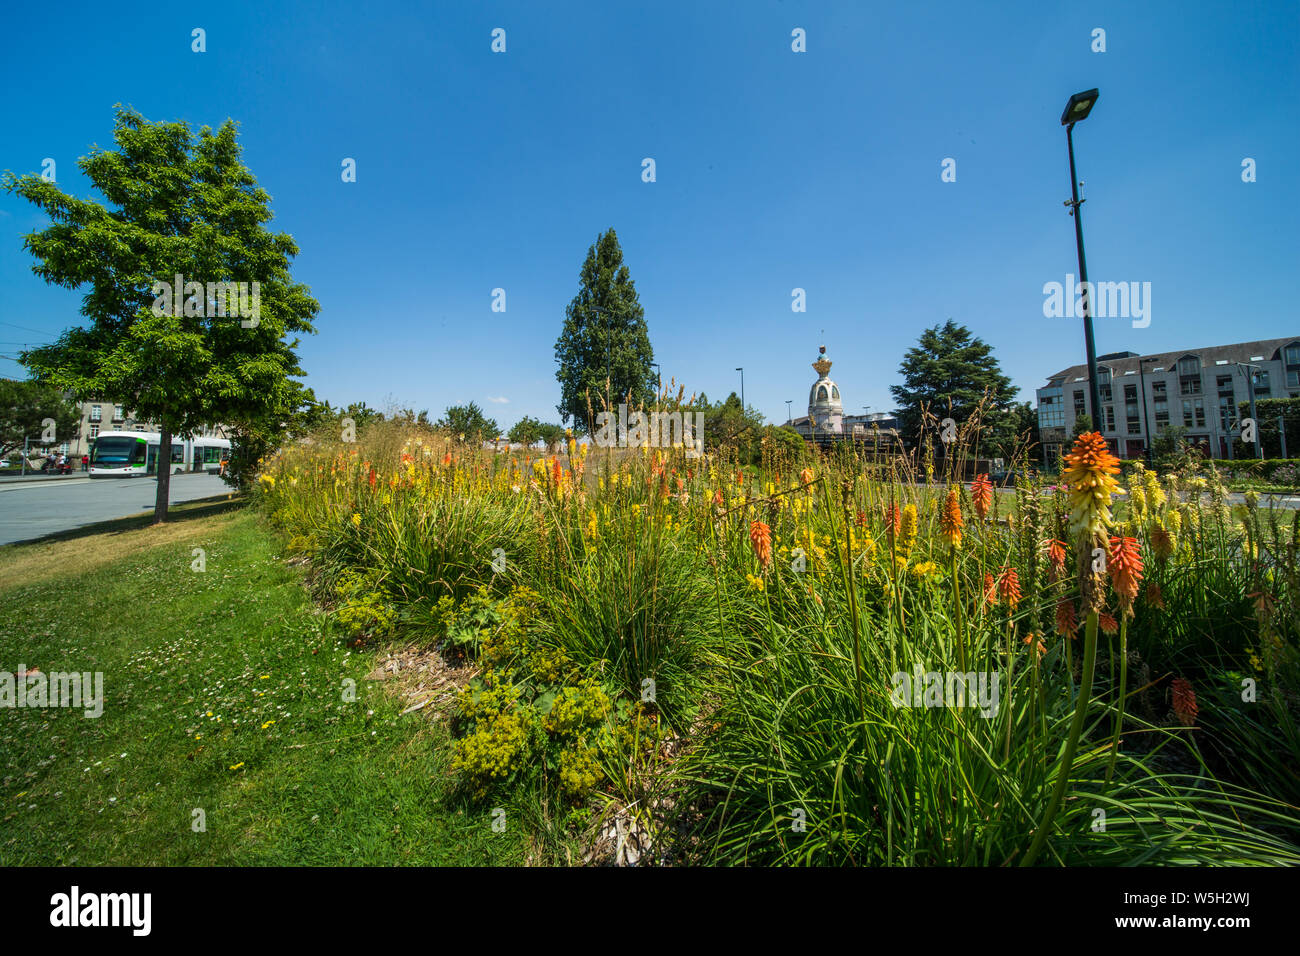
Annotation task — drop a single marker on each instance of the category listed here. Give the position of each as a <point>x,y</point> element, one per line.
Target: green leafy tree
<point>727,425</point>
<point>949,371</point>
<point>467,423</point>
<point>552,434</point>
<point>604,324</point>
<point>1171,451</point>
<point>1082,425</point>
<point>26,406</point>
<point>1011,431</point>
<point>183,204</point>
<point>526,431</point>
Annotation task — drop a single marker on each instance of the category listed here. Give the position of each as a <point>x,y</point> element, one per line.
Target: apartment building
<point>1141,395</point>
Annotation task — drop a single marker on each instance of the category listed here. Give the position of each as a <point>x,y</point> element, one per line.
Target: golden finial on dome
<point>821,365</point>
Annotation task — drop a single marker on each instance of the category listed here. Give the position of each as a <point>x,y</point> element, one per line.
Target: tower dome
<point>825,409</point>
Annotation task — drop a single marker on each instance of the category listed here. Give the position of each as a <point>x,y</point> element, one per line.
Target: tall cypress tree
<point>604,327</point>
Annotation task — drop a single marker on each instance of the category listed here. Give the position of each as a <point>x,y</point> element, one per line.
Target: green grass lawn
<point>223,693</point>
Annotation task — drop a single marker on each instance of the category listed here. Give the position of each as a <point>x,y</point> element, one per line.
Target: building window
<point>1225,413</point>
<point>94,432</point>
<point>1079,407</point>
<point>1051,410</point>
<point>96,413</point>
<point>1292,378</point>
<point>1110,418</point>
<point>1292,355</point>
<point>1189,386</point>
<point>1194,412</point>
<point>119,413</point>
<point>1224,383</point>
<point>1189,367</point>
<point>1159,390</point>
<point>1262,387</point>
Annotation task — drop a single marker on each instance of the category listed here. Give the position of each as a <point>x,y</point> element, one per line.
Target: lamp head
<point>1079,107</point>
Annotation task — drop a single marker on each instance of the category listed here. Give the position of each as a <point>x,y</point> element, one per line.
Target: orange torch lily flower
<point>1125,567</point>
<point>981,492</point>
<point>760,537</point>
<point>1009,587</point>
<point>951,521</point>
<point>1185,708</point>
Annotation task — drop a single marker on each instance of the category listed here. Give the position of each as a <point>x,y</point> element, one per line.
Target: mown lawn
<point>224,693</point>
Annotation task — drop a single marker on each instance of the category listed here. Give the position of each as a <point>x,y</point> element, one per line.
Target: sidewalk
<point>40,476</point>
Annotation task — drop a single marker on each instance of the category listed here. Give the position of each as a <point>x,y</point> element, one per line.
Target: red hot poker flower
<point>1125,567</point>
<point>981,491</point>
<point>1185,708</point>
<point>760,537</point>
<point>1009,587</point>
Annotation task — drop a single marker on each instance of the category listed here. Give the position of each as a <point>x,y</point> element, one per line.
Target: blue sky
<point>775,170</point>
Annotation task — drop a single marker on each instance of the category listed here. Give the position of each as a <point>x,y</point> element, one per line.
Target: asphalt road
<point>32,509</point>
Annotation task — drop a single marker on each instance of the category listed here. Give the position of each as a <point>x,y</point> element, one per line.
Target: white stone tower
<point>825,410</point>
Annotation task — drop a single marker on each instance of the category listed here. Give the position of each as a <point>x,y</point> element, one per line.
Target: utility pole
<point>1250,393</point>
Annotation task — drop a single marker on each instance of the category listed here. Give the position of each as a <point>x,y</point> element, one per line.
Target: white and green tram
<point>128,454</point>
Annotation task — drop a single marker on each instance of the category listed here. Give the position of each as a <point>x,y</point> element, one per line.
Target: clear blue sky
<point>775,170</point>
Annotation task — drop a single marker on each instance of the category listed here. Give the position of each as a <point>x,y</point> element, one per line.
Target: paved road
<point>31,509</point>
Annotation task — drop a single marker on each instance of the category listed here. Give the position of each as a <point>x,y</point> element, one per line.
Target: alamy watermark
<point>1106,300</point>
<point>947,689</point>
<point>242,300</point>
<point>58,689</point>
<point>655,430</point>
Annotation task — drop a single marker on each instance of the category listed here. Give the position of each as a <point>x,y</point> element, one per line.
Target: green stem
<point>1076,728</point>
<point>1123,687</point>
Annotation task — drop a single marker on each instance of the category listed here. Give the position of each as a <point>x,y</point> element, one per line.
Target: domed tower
<point>825,410</point>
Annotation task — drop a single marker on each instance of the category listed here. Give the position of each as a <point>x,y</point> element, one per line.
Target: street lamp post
<point>789,415</point>
<point>1250,394</point>
<point>1150,428</point>
<point>741,370</point>
<point>1078,108</point>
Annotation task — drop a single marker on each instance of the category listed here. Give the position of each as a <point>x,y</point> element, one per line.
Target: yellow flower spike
<point>1090,475</point>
